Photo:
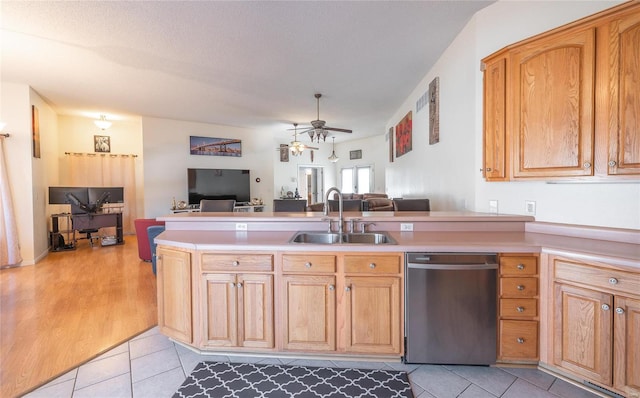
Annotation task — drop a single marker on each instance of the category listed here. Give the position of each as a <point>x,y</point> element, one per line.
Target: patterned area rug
<point>222,380</point>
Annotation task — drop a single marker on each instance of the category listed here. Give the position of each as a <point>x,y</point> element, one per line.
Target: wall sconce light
<point>333,158</point>
<point>103,123</point>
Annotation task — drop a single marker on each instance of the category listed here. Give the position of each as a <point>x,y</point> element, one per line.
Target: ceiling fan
<point>296,147</point>
<point>319,130</point>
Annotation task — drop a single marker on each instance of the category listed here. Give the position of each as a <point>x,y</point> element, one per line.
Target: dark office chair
<point>289,205</point>
<point>212,205</point>
<point>411,204</point>
<point>77,209</point>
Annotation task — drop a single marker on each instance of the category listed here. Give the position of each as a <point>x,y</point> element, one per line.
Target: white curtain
<point>105,170</point>
<point>9,246</point>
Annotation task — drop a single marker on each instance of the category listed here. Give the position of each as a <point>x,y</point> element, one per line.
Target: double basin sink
<point>335,238</point>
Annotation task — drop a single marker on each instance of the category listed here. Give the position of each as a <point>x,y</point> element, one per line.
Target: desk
<point>99,220</point>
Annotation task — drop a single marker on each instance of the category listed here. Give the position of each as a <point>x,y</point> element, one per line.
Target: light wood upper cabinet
<point>495,108</point>
<point>174,293</point>
<point>566,103</point>
<point>621,52</point>
<point>552,106</point>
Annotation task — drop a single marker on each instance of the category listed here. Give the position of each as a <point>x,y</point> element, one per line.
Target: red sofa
<point>144,246</point>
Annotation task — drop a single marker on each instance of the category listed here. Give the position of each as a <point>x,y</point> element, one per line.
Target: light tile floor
<point>150,365</point>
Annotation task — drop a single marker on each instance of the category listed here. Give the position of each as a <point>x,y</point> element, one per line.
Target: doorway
<point>312,183</point>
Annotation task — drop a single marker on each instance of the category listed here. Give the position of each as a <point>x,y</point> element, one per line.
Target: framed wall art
<point>357,154</point>
<point>35,131</point>
<point>391,144</point>
<point>403,135</point>
<point>284,152</point>
<point>102,143</point>
<point>212,146</point>
<point>434,111</point>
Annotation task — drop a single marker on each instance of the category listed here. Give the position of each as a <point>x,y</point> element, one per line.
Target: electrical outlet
<point>530,207</point>
<point>406,227</point>
<point>241,226</point>
<point>493,206</point>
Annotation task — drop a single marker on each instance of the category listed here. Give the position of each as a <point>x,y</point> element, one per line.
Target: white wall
<point>167,158</point>
<point>449,172</point>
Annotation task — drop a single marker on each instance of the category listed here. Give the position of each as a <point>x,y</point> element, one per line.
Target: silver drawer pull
<point>520,309</point>
<point>372,265</point>
<point>239,285</point>
<point>619,311</point>
<point>520,340</point>
<point>235,263</point>
<point>586,165</point>
<point>613,281</point>
<point>307,265</point>
<point>605,307</point>
<point>233,284</point>
<point>520,267</point>
<point>332,287</point>
<point>347,289</point>
<point>520,287</point>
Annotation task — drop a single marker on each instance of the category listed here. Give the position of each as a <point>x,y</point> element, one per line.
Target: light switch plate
<point>406,227</point>
<point>493,206</point>
<point>241,227</point>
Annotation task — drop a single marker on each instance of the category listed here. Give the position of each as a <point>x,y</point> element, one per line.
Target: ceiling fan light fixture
<point>103,123</point>
<point>333,158</point>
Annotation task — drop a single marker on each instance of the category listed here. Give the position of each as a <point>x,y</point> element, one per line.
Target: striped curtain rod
<point>101,154</point>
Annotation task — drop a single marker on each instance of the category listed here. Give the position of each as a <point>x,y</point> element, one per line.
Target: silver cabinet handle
<point>520,287</point>
<point>347,289</point>
<point>233,284</point>
<point>587,165</point>
<point>159,257</point>
<point>620,310</point>
<point>520,340</point>
<point>332,287</point>
<point>613,281</point>
<point>520,309</point>
<point>605,307</point>
<point>372,265</point>
<point>239,285</point>
<point>488,169</point>
<point>520,267</point>
<point>307,264</point>
<point>612,163</point>
<point>235,263</point>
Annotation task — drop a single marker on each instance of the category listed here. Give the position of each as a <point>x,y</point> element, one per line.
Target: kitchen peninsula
<point>234,283</point>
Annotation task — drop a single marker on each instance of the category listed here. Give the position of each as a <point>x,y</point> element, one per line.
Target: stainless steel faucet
<point>326,208</point>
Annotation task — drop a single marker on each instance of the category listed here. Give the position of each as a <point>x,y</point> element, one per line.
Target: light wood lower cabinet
<point>596,323</point>
<point>236,300</point>
<point>238,310</point>
<point>372,314</point>
<point>518,308</point>
<point>174,293</point>
<point>309,313</point>
<point>347,303</point>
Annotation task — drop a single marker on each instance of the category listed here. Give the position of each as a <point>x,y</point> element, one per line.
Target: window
<point>356,179</point>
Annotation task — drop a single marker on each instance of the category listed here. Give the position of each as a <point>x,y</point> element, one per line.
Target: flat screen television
<point>218,184</point>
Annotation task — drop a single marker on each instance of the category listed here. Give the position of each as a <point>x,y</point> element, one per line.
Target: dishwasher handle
<point>452,267</point>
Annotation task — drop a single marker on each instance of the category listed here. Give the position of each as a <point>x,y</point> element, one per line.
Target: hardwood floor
<point>69,308</point>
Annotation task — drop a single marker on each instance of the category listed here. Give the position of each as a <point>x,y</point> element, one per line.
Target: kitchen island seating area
<point>373,202</point>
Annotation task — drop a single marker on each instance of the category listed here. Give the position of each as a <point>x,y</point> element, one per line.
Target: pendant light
<point>333,158</point>
<point>103,123</point>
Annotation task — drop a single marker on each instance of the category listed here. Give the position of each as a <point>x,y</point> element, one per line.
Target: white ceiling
<point>252,64</point>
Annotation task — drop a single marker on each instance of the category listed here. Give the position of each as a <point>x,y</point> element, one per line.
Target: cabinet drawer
<point>372,264</point>
<point>521,265</point>
<point>518,308</point>
<point>236,262</point>
<point>608,279</point>
<point>308,263</point>
<point>518,340</point>
<point>518,287</point>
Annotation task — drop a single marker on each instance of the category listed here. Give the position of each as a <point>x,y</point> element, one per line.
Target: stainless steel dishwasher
<point>450,308</point>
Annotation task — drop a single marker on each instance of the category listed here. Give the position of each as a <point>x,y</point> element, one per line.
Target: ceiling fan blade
<point>337,129</point>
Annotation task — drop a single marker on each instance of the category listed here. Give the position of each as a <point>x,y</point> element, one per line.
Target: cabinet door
<point>310,312</point>
<point>372,315</point>
<point>623,94</point>
<point>552,82</point>
<point>583,332</point>
<point>220,310</point>
<point>174,293</point>
<point>627,345</point>
<point>255,304</point>
<point>495,113</point>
